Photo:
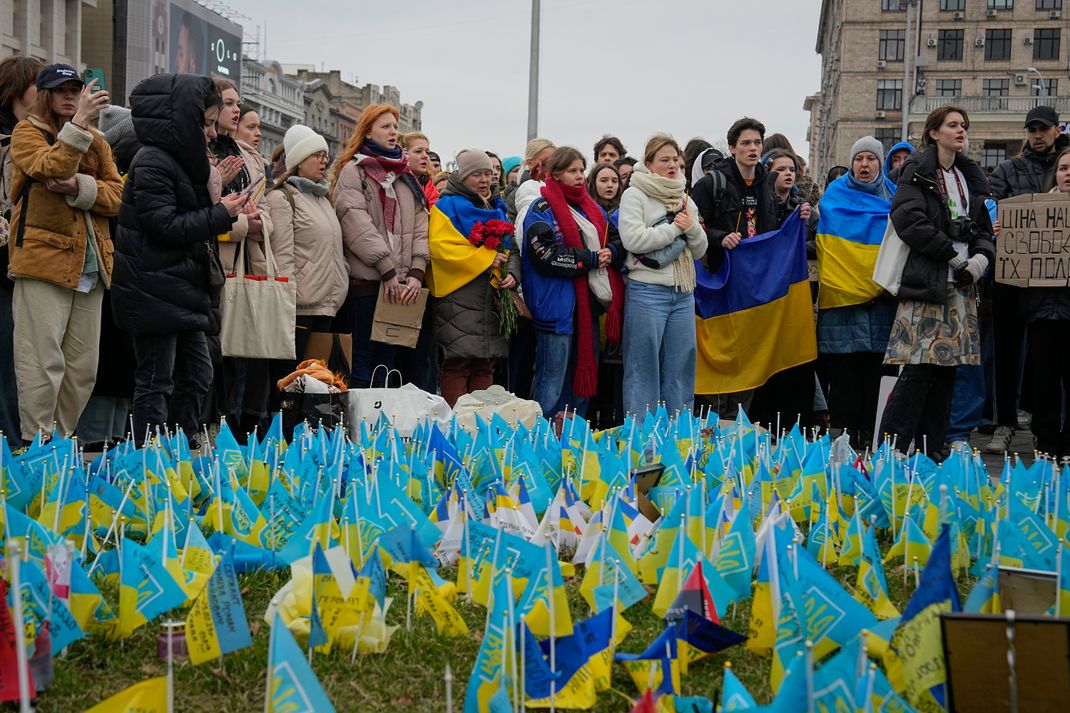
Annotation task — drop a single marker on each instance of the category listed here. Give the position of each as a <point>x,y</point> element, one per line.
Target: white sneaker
<point>1025,419</point>
<point>1001,440</point>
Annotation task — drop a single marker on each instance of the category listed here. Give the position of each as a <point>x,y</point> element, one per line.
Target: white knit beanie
<point>299,143</point>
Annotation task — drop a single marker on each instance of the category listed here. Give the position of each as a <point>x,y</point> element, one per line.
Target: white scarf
<point>670,192</point>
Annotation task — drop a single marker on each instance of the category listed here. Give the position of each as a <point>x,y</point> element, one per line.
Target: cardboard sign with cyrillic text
<point>1033,248</point>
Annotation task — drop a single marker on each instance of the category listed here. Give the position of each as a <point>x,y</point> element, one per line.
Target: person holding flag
<point>854,314</point>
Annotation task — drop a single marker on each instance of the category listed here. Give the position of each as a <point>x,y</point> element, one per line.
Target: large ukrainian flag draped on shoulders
<point>454,261</point>
<point>755,316</point>
<point>849,235</point>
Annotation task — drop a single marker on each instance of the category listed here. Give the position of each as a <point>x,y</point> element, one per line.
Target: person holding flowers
<point>571,276</point>
<point>473,269</point>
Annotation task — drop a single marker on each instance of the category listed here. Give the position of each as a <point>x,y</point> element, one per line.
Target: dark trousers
<point>521,362</point>
<point>9,394</point>
<point>1009,331</point>
<point>175,367</point>
<point>1048,343</point>
<point>919,407</point>
<point>789,393</point>
<point>418,365</point>
<point>854,383</point>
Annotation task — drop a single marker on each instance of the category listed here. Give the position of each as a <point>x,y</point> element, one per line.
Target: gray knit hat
<point>471,160</point>
<point>116,123</point>
<point>868,143</point>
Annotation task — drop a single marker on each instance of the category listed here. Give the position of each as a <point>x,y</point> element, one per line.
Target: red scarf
<point>560,197</point>
<point>376,168</point>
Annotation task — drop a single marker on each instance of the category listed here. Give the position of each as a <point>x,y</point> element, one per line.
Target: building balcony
<point>989,108</point>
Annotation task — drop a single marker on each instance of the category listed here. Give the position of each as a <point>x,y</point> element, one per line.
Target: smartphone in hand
<point>96,73</point>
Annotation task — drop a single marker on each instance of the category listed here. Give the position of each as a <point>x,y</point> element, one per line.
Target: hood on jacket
<point>168,111</point>
<point>898,147</point>
<point>728,167</point>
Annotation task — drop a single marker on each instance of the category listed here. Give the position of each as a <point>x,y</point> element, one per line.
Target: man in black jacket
<point>737,200</point>
<point>1023,174</point>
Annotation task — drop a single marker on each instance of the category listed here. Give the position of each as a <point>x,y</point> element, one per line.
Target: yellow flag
<point>146,697</point>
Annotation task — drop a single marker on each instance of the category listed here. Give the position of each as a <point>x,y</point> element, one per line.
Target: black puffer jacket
<point>165,251</point>
<point>722,211</point>
<point>1028,172</point>
<point>921,218</point>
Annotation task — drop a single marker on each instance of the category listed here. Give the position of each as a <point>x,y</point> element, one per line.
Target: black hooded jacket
<point>1028,172</point>
<point>921,219</point>
<point>722,210</point>
<point>165,246</point>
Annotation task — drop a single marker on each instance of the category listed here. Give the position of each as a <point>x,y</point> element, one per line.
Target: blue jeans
<point>966,402</point>
<point>555,365</point>
<point>659,349</point>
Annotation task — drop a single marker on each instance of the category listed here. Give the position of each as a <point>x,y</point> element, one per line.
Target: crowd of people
<point>570,282</point>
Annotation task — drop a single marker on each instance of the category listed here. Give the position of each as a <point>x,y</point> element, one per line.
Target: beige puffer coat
<point>306,240</point>
<point>371,256</point>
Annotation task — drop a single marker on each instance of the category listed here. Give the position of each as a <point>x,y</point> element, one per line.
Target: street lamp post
<point>1042,88</point>
<point>533,72</point>
<point>908,58</point>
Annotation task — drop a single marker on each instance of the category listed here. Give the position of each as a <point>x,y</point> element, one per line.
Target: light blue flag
<point>305,537</point>
<point>485,686</point>
<point>734,695</point>
<point>834,682</point>
<point>735,560</point>
<point>294,686</point>
<point>41,606</point>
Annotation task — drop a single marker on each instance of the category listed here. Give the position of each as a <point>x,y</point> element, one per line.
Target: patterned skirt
<point>941,334</point>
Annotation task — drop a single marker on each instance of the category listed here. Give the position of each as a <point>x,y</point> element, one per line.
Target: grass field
<point>408,677</point>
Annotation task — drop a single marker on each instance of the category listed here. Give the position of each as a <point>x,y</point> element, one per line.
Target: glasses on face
<point>321,156</point>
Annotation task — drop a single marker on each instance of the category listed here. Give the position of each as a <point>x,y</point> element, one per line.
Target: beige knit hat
<point>471,160</point>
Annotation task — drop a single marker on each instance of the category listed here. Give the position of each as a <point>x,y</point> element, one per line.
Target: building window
<point>888,137</point>
<point>889,94</point>
<point>1049,4</point>
<point>993,155</point>
<point>997,44</point>
<point>1046,43</point>
<point>892,45</point>
<point>950,45</point>
<point>1000,4</point>
<point>1050,88</point>
<point>948,87</point>
<point>952,4</point>
<point>995,87</point>
<point>890,5</point>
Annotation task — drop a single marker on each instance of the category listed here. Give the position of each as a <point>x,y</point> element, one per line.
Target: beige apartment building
<point>50,30</point>
<point>995,58</point>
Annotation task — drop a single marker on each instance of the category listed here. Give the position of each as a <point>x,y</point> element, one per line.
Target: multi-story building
<point>358,97</point>
<point>995,58</point>
<point>49,30</point>
<point>278,99</point>
<point>331,116</point>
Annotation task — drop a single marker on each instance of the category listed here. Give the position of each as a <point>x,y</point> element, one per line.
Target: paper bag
<point>398,324</point>
<point>335,349</point>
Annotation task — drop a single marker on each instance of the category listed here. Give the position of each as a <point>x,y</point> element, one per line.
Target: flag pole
<point>15,562</point>
<point>449,688</point>
<point>271,657</point>
<point>170,668</point>
<point>553,642</point>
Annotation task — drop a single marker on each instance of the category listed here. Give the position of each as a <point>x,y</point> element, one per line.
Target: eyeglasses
<point>322,156</point>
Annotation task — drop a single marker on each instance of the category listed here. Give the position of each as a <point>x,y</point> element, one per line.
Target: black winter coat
<point>921,219</point>
<point>723,213</point>
<point>165,246</point>
<point>1026,173</point>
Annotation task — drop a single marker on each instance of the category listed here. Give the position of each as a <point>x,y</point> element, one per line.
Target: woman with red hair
<point>383,212</point>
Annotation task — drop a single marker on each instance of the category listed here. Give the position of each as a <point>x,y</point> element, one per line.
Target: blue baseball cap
<point>55,75</point>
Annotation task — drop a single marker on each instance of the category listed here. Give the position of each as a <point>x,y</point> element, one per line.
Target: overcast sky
<point>627,67</point>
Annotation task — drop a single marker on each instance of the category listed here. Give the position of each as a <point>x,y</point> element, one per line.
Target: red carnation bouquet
<point>498,236</point>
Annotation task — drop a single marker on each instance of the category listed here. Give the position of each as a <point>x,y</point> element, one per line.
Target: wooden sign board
<point>978,674</point>
<point>1033,249</point>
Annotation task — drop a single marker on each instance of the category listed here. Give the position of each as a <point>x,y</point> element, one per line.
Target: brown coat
<point>53,225</point>
<point>369,253</point>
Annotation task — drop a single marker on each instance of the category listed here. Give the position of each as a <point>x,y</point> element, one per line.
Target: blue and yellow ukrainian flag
<point>849,235</point>
<point>454,261</point>
<point>755,317</point>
